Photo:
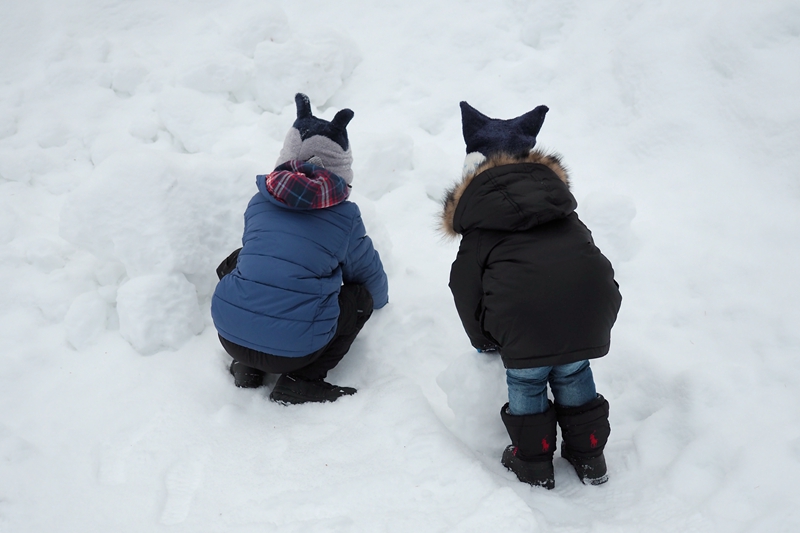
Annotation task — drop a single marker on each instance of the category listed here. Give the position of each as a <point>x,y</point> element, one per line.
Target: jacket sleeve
<point>363,265</point>
<point>467,289</point>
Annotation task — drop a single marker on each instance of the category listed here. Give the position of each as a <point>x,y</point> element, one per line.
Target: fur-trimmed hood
<point>509,193</point>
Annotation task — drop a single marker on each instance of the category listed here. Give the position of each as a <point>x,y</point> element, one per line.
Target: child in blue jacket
<point>307,277</point>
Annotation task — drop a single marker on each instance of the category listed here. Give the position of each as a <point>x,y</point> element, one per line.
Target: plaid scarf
<point>303,185</point>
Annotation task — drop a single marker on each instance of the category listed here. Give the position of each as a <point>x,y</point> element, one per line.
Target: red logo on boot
<point>545,445</point>
<point>593,441</point>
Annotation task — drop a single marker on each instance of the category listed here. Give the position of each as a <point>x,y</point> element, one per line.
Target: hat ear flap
<point>531,122</point>
<point>303,105</point>
<point>472,120</point>
<point>343,118</point>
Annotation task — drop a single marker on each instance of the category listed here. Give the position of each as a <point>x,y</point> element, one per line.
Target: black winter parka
<point>528,277</point>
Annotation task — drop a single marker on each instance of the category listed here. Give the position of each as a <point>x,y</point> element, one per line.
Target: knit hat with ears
<point>326,142</point>
<point>488,136</point>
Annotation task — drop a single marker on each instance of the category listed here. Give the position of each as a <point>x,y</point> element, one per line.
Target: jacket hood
<point>509,193</point>
<point>303,185</point>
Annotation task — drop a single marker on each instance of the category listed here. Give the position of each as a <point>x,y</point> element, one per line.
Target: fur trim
<point>453,195</point>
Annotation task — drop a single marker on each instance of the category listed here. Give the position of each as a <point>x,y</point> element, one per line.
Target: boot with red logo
<point>533,442</point>
<point>585,431</point>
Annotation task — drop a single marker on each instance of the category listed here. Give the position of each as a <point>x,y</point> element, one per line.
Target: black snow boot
<point>585,430</point>
<point>245,376</point>
<point>293,390</point>
<point>533,442</point>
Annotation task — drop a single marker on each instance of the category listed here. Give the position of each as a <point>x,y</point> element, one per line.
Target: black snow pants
<point>355,308</point>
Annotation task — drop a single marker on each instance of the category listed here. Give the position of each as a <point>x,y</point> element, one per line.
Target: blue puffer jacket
<point>282,298</point>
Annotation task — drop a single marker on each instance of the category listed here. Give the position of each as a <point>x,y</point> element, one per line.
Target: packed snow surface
<point>130,136</point>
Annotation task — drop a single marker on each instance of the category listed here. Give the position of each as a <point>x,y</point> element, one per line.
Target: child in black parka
<point>529,283</point>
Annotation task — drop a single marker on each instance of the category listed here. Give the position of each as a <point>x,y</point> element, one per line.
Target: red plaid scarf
<point>303,185</point>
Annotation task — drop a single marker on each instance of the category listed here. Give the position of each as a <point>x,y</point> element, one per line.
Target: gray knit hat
<point>326,142</point>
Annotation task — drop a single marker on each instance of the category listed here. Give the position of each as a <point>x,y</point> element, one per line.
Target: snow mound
<point>86,319</point>
<point>196,132</point>
<point>388,163</point>
<point>154,212</point>
<point>476,388</point>
<point>317,68</point>
<point>158,311</point>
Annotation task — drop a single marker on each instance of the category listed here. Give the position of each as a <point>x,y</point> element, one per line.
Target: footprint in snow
<point>182,481</point>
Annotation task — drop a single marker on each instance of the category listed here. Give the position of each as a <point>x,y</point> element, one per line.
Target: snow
<point>130,136</point>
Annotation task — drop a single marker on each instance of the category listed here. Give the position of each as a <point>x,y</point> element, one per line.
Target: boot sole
<point>288,398</point>
<point>246,381</point>
<point>582,469</point>
<point>534,473</point>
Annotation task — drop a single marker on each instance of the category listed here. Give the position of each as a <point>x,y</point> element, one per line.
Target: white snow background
<point>130,136</point>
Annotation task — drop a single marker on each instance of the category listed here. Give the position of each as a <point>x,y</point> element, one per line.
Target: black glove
<point>228,264</point>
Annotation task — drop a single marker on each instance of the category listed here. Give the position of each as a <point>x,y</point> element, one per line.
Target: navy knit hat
<point>326,142</point>
<point>487,136</point>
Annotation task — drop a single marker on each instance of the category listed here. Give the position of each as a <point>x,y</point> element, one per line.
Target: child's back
<point>281,299</point>
<point>548,295</point>
<point>529,283</point>
<point>307,277</point>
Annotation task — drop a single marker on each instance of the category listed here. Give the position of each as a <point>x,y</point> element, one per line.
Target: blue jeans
<point>572,385</point>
